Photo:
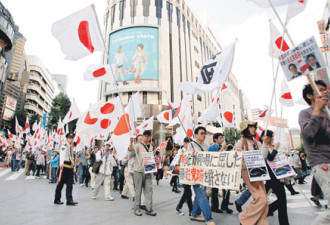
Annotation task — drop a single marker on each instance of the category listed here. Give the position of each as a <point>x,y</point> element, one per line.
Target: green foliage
<point>60,106</point>
<point>232,135</point>
<point>301,148</point>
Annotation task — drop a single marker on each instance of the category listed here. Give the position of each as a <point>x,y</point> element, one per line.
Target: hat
<point>69,135</point>
<point>245,124</point>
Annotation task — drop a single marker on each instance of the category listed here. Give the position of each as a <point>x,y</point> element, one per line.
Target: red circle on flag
<point>70,115</point>
<point>167,116</point>
<point>105,123</point>
<point>78,140</point>
<point>190,133</point>
<point>90,121</point>
<point>85,36</point>
<point>107,108</point>
<point>228,116</point>
<point>99,72</point>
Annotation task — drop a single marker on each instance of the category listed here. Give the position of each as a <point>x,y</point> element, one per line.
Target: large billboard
<point>134,51</point>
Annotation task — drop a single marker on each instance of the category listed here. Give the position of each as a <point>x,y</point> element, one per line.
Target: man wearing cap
<point>66,172</point>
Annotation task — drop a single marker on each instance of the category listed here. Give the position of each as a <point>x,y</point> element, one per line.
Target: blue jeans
<point>201,203</point>
<point>53,174</point>
<point>13,165</point>
<point>81,173</point>
<point>244,197</point>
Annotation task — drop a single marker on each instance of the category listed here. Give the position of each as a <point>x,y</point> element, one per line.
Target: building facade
<point>164,41</point>
<point>41,88</point>
<point>62,81</point>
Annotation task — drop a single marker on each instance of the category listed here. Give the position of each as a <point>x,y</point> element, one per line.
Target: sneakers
<point>179,211</point>
<point>151,213</point>
<point>81,185</point>
<point>199,218</point>
<point>238,207</point>
<point>176,191</point>
<point>137,213</point>
<point>109,199</point>
<point>93,197</point>
<point>124,197</point>
<point>210,223</point>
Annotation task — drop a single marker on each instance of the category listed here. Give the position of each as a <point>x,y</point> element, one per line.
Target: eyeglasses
<point>202,133</point>
<point>323,90</point>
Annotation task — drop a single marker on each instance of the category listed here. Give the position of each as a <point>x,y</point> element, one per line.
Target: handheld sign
<point>281,167</point>
<point>174,162</point>
<point>149,163</point>
<point>256,166</point>
<point>302,59</point>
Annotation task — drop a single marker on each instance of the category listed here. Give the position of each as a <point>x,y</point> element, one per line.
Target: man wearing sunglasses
<point>201,203</point>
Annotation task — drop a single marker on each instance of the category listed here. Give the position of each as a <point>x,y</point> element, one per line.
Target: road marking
<point>2,173</point>
<point>30,178</point>
<point>15,175</point>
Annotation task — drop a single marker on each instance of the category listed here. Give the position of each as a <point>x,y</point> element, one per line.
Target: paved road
<point>26,200</point>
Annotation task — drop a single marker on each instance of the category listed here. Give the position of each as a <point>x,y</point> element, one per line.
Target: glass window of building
<point>159,6</point>
<point>144,97</point>
<point>146,8</point>
<point>122,4</point>
<point>133,4</point>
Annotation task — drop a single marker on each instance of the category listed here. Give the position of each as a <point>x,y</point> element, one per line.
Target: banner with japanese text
<point>149,163</point>
<point>256,166</point>
<point>212,169</point>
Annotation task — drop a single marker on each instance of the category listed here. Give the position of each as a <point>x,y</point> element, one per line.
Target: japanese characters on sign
<point>149,163</point>
<point>281,167</point>
<point>302,59</point>
<point>256,166</point>
<point>212,169</point>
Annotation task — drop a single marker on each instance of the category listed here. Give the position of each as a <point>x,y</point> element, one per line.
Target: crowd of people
<point>95,166</point>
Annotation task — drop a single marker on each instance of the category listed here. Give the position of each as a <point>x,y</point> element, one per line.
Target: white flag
<point>228,118</point>
<point>172,105</point>
<point>100,72</point>
<point>212,112</point>
<point>72,114</point>
<point>264,116</point>
<point>79,34</point>
<point>265,3</point>
<point>180,111</point>
<point>295,8</point>
<point>285,96</point>
<point>110,109</point>
<point>213,73</point>
<point>26,130</point>
<point>165,116</point>
<point>121,135</point>
<point>276,41</point>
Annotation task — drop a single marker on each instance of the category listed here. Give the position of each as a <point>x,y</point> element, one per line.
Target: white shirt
<point>65,153</point>
<point>108,161</point>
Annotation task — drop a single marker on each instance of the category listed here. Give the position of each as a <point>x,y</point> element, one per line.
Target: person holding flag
<point>66,172</point>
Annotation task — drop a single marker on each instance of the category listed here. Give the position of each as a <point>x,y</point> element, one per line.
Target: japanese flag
<point>11,136</point>
<point>213,73</point>
<point>79,34</point>
<point>148,124</point>
<point>3,143</point>
<point>277,45</point>
<point>275,3</point>
<point>285,96</point>
<point>224,89</point>
<point>212,112</point>
<point>165,116</point>
<point>264,116</point>
<point>72,114</point>
<point>172,105</point>
<point>18,128</point>
<point>26,130</point>
<point>186,129</point>
<point>180,111</point>
<point>60,135</point>
<point>100,72</point>
<point>259,131</point>
<point>301,101</point>
<point>121,135</point>
<point>228,118</point>
<point>35,126</point>
<point>107,110</point>
<point>295,8</point>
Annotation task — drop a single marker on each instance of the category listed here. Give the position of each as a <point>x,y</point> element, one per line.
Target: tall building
<point>41,88</point>
<point>62,81</point>
<point>155,46</point>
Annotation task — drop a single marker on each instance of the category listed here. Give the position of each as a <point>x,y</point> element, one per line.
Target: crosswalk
<point>7,175</point>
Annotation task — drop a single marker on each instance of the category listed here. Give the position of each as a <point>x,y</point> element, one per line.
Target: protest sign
<point>174,162</point>
<point>212,169</point>
<point>256,165</point>
<point>302,59</point>
<point>149,163</point>
<point>281,167</point>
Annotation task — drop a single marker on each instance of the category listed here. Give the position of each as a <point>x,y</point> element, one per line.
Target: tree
<point>60,106</point>
<point>232,135</point>
<point>21,117</point>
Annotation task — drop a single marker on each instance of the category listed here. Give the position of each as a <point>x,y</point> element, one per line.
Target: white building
<point>176,46</point>
<point>41,88</point>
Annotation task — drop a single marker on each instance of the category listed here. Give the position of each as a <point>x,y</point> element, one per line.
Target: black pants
<point>67,178</point>
<point>39,167</point>
<point>290,188</point>
<point>214,199</point>
<point>160,173</point>
<point>280,203</point>
<point>115,176</point>
<point>315,189</point>
<point>186,197</point>
<point>174,180</point>
<point>121,178</point>
<point>225,200</point>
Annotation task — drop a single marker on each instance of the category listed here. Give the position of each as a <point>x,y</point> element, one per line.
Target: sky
<point>232,19</point>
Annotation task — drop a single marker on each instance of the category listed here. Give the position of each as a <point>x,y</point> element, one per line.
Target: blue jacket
<point>55,161</point>
<point>214,148</point>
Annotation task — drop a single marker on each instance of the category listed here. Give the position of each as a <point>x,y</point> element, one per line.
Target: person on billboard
<point>313,64</point>
<point>293,69</point>
<point>139,61</point>
<point>119,61</point>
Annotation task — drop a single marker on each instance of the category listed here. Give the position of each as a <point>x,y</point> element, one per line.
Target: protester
<point>297,167</point>
<point>18,157</point>
<point>92,161</point>
<point>40,162</point>
<point>104,175</point>
<point>142,181</point>
<point>315,128</point>
<point>115,172</point>
<point>186,196</point>
<point>175,177</point>
<point>54,163</point>
<point>128,173</point>
<point>159,161</point>
<point>269,152</point>
<point>201,203</point>
<point>82,158</point>
<point>226,193</point>
<point>166,165</point>
<point>29,162</point>
<point>304,168</point>
<point>256,211</point>
<point>287,182</point>
<point>316,193</point>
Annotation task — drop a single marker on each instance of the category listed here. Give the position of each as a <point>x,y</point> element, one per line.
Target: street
<point>27,200</point>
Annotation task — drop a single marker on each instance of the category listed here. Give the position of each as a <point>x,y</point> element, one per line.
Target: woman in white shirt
<point>119,61</point>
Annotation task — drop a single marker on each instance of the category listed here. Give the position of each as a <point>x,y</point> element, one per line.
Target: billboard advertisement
<point>11,103</point>
<point>134,51</point>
